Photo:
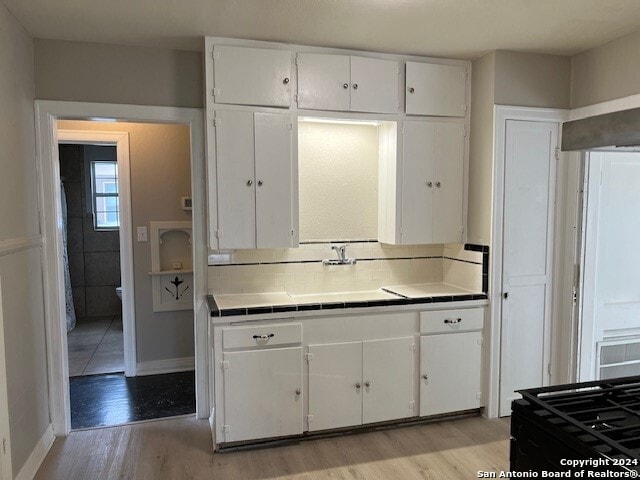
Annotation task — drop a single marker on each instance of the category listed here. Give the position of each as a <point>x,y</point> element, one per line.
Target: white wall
<point>21,271</point>
<point>338,172</point>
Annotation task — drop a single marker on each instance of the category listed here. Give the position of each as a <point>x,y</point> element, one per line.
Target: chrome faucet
<point>341,251</point>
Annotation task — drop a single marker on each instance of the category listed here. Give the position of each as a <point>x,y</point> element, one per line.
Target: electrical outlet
<point>142,234</point>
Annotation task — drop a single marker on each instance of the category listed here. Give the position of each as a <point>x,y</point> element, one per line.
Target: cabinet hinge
<point>412,347</point>
<point>291,232</point>
<point>298,60</point>
<point>4,446</point>
<point>412,405</point>
<point>309,419</point>
<point>290,126</point>
<point>224,365</point>
<point>226,428</point>
<point>402,131</point>
<point>464,108</point>
<point>308,357</point>
<point>557,153</point>
<point>480,341</point>
<point>549,369</point>
<point>216,122</point>
<point>215,54</point>
<point>296,98</point>
<point>464,132</point>
<point>466,75</point>
<point>219,233</point>
<point>215,91</point>
<point>479,395</point>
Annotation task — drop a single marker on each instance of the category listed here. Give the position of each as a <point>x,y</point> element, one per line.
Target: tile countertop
<point>278,302</point>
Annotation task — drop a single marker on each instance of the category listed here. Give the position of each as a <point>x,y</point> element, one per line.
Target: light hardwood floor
<point>181,448</point>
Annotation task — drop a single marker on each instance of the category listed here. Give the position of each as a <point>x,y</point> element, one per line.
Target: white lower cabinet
<point>450,372</point>
<point>262,393</point>
<point>355,383</point>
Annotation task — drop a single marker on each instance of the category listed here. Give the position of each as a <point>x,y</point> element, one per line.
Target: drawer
<point>447,321</point>
<point>269,335</point>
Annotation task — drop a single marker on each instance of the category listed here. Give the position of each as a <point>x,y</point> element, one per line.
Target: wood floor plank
<point>182,449</point>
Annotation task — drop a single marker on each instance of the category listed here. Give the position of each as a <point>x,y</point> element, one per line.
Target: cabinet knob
<point>411,89</point>
<point>355,86</point>
<point>298,391</point>
<point>259,183</point>
<point>358,386</point>
<point>345,85</point>
<point>425,377</point>
<point>286,80</point>
<point>367,384</point>
<point>438,184</point>
<point>429,184</point>
<point>249,183</point>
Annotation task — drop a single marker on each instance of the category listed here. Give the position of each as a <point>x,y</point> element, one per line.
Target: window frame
<point>95,195</point>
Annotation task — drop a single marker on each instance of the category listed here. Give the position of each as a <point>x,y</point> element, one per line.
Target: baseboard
<point>170,365</point>
<point>31,466</point>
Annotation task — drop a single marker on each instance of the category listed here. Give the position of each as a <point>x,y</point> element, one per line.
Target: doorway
<point>609,330</point>
<point>193,331</point>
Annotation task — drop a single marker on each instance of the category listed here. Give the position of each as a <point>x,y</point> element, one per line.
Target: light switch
<point>142,234</point>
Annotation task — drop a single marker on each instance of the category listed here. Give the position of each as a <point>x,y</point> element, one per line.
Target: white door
<point>417,182</point>
<point>529,190</point>
<point>263,393</point>
<point>388,378</point>
<point>438,90</point>
<point>324,81</point>
<point>450,372</point>
<point>374,85</point>
<point>235,176</point>
<point>275,180</point>
<point>335,385</point>
<point>252,76</point>
<point>448,182</point>
<point>611,295</point>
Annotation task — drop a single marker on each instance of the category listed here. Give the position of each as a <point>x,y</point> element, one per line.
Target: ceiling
<point>447,28</point>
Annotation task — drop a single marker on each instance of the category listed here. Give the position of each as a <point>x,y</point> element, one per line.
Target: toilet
<point>119,292</point>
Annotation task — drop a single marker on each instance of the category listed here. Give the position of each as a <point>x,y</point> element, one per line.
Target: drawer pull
<point>452,320</point>
<point>264,337</point>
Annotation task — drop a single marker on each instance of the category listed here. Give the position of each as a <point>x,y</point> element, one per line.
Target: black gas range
<point>591,427</point>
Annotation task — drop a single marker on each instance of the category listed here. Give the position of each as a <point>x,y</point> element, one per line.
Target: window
<point>104,190</point>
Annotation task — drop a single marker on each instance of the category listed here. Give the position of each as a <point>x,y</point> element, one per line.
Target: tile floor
<point>95,346</point>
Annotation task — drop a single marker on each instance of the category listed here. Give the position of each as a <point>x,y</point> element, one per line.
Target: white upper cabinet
<point>257,179</point>
<point>252,76</point>
<point>374,85</point>
<point>425,202</point>
<point>436,90</point>
<point>324,81</point>
<point>347,83</point>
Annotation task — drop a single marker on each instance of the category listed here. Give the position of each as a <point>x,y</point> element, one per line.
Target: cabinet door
<point>235,177</point>
<point>452,365</point>
<point>438,90</point>
<point>261,398</point>
<point>252,76</point>
<point>335,385</point>
<point>417,182</point>
<point>275,180</point>
<point>374,85</point>
<point>323,81</point>
<point>449,182</point>
<point>388,376</point>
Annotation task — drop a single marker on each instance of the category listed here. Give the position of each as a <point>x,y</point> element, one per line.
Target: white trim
<point>47,112</point>
<point>32,465</point>
<point>15,245</point>
<point>6,472</point>
<point>170,365</point>
<point>625,103</point>
<point>121,141</point>
<point>501,115</point>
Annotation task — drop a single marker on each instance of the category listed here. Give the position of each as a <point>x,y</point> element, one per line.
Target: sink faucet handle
<point>341,250</point>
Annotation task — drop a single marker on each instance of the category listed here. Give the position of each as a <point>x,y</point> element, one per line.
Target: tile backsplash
<point>300,270</point>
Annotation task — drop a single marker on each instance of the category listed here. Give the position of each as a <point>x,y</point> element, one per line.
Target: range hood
<point>617,130</point>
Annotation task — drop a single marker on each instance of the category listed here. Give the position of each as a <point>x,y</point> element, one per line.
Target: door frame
<point>503,113</point>
<point>47,113</point>
<point>121,141</point>
<point>6,470</point>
